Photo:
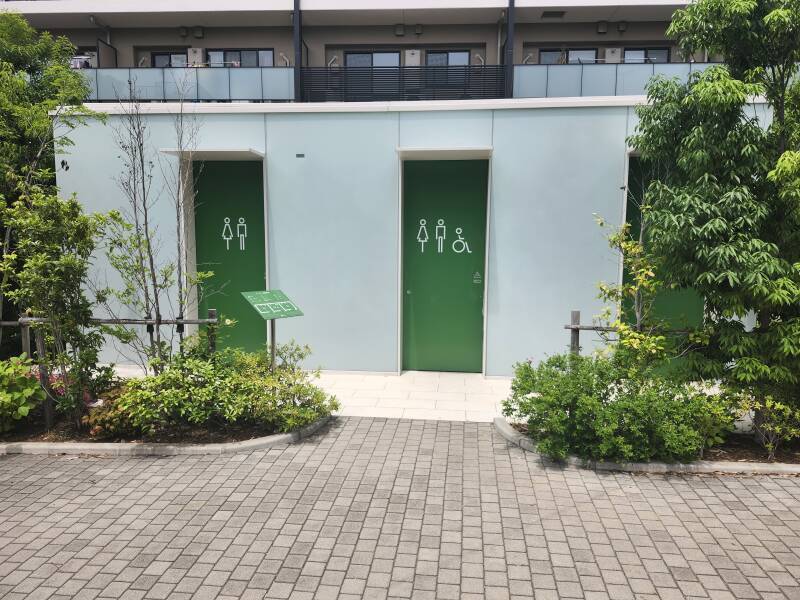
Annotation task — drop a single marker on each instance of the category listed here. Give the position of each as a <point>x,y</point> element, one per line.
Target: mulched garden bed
<point>737,448</point>
<point>63,431</point>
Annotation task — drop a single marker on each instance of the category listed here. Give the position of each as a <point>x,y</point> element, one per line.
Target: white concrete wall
<point>334,214</point>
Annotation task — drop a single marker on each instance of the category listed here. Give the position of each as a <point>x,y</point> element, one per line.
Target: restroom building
<point>420,178</point>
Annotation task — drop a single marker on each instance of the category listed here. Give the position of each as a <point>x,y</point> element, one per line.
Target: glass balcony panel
<point>112,84</point>
<point>90,75</point>
<point>148,83</point>
<point>671,70</point>
<point>180,84</point>
<point>245,83</point>
<point>213,84</point>
<point>599,80</point>
<point>564,80</point>
<point>278,83</point>
<point>632,79</point>
<point>530,81</point>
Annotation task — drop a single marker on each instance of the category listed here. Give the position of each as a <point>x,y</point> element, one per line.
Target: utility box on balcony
<point>613,55</point>
<point>412,57</point>
<point>195,57</point>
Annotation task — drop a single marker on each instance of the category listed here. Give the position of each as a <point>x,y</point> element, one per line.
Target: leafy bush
<point>228,387</point>
<point>773,422</point>
<point>592,407</point>
<point>19,391</point>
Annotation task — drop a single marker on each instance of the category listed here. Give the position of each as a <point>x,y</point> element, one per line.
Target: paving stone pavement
<point>377,508</point>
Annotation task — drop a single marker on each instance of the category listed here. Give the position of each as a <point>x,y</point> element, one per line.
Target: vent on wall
<point>553,14</point>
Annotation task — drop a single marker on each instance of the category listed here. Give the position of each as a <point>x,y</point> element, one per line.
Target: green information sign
<point>272,304</point>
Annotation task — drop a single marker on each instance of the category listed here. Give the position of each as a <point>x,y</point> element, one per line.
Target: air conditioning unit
<point>613,55</point>
<point>196,57</point>
<point>412,57</point>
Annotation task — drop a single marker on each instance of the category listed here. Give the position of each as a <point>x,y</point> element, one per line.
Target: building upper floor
<point>363,49</point>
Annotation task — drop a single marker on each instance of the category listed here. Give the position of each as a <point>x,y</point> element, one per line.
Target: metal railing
<point>191,84</point>
<point>368,84</point>
<point>570,80</point>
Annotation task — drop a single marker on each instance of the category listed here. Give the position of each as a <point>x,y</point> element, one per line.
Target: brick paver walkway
<point>399,508</point>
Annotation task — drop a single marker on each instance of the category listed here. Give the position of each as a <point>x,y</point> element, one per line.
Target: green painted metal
<point>272,304</point>
<point>444,248</point>
<point>229,236</point>
<point>679,308</point>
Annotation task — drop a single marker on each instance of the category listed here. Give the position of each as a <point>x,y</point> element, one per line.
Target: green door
<point>229,237</point>
<point>444,249</point>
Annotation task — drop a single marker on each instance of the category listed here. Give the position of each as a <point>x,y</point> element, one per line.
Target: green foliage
<point>228,387</point>
<point>46,274</point>
<point>40,99</point>
<point>591,407</point>
<point>19,391</point>
<point>723,212</point>
<point>35,80</point>
<point>774,422</point>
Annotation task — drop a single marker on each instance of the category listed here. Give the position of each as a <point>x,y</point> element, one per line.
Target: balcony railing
<point>256,84</point>
<point>558,81</point>
<point>366,84</point>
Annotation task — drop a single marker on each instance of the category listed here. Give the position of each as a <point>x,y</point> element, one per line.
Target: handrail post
<point>212,331</point>
<point>44,379</point>
<point>575,332</point>
<point>25,335</point>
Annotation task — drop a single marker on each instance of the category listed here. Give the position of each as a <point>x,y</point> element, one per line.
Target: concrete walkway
<point>418,395</point>
<point>388,508</point>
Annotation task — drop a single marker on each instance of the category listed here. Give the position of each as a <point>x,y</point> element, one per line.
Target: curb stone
<point>700,467</point>
<point>114,449</point>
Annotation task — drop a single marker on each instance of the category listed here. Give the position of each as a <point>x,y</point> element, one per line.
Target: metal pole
<point>272,345</point>
<point>212,331</point>
<point>44,380</point>
<point>297,37</point>
<point>25,334</point>
<point>575,332</point>
<point>509,55</point>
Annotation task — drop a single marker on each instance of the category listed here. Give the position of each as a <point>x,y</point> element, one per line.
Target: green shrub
<point>228,387</point>
<point>19,391</point>
<point>592,407</point>
<point>774,423</point>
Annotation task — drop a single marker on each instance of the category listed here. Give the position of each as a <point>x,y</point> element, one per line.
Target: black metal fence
<point>369,84</point>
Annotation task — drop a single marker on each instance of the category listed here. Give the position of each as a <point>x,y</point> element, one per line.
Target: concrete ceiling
<point>68,14</point>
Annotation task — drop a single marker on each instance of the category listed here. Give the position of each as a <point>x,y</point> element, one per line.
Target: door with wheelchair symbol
<point>444,251</point>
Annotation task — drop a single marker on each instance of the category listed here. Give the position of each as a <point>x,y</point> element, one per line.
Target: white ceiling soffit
<point>217,154</point>
<point>62,14</point>
<point>444,153</point>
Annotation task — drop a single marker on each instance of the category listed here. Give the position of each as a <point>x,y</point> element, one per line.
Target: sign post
<point>272,305</point>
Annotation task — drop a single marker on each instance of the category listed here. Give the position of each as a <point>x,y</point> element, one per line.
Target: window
<point>245,57</point>
<point>372,59</point>
<point>457,58</point>
<point>646,55</point>
<point>582,55</point>
<point>550,57</point>
<point>169,59</point>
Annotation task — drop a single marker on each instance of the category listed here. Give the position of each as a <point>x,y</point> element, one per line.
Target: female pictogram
<point>227,233</point>
<point>422,236</point>
<point>241,231</point>
<point>460,245</point>
<point>441,234</point>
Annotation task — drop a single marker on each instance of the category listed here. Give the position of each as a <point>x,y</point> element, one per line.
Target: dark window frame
<point>170,54</point>
<point>645,50</point>
<point>372,54</point>
<point>595,49</point>
<point>224,50</point>
<point>561,52</point>
<point>447,51</point>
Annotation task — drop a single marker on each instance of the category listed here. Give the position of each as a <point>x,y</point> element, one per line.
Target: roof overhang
<point>222,154</point>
